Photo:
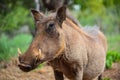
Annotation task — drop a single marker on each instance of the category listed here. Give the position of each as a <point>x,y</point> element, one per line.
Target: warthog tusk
<point>19,52</point>
<point>39,52</point>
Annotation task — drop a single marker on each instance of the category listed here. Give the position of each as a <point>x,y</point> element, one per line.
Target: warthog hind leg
<point>58,75</point>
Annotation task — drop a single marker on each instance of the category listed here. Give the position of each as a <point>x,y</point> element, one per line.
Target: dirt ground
<point>10,71</point>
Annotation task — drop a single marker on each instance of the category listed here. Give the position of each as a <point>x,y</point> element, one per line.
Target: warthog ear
<point>61,15</point>
<point>37,15</point>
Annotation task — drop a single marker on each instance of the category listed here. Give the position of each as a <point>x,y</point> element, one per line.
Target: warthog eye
<point>50,28</point>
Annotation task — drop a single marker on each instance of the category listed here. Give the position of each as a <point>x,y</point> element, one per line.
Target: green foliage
<point>7,6</point>
<point>40,66</point>
<point>91,5</point>
<point>114,42</point>
<point>113,54</point>
<point>107,21</point>
<point>104,13</point>
<point>18,17</point>
<point>4,48</point>
<point>8,47</point>
<point>106,79</point>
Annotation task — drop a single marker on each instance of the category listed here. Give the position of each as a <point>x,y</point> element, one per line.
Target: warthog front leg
<point>58,75</point>
<point>100,77</point>
<point>79,74</point>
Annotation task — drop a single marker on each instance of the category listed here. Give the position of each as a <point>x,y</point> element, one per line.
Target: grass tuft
<point>8,47</point>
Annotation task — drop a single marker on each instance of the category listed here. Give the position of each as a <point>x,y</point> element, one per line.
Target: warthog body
<point>77,53</point>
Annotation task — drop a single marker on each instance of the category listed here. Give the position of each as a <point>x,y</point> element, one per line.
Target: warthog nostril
<point>25,67</point>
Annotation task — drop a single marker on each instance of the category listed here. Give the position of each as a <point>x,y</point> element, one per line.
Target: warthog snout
<point>25,67</point>
<point>29,62</point>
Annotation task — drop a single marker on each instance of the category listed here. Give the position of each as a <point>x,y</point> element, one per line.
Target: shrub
<point>15,19</point>
<point>4,48</point>
<point>112,56</point>
<point>8,47</point>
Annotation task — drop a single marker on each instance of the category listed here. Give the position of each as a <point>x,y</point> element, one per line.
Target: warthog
<point>77,53</point>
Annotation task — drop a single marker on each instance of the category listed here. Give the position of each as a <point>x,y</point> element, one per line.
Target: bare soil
<point>10,71</point>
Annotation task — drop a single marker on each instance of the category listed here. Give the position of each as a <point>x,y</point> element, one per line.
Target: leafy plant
<point>112,56</point>
<point>4,48</point>
<point>8,47</point>
<point>16,18</point>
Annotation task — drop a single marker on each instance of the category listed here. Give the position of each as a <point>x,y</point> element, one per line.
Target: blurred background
<point>17,24</point>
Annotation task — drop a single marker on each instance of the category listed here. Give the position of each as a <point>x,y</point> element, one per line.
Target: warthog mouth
<point>27,67</point>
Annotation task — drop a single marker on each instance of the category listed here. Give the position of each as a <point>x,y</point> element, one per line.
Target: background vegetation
<point>16,13</point>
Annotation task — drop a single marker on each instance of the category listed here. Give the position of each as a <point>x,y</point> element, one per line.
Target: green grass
<point>8,47</point>
<point>106,79</point>
<point>113,54</point>
<point>114,43</point>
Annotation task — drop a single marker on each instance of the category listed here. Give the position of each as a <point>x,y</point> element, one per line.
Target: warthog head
<point>49,40</point>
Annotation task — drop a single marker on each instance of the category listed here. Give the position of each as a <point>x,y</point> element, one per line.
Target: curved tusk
<point>39,52</point>
<point>19,52</point>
